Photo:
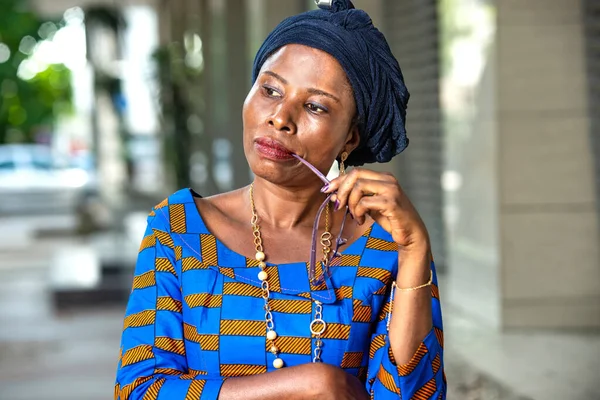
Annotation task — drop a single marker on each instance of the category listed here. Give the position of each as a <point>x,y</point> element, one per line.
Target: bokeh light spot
<point>47,31</point>
<point>27,45</point>
<point>4,53</point>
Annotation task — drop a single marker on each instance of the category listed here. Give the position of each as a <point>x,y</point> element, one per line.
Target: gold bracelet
<point>416,287</point>
<point>393,291</point>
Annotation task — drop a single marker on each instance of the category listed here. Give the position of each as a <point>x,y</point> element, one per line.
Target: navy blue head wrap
<point>374,74</point>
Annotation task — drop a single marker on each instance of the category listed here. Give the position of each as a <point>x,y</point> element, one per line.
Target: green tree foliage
<point>27,105</point>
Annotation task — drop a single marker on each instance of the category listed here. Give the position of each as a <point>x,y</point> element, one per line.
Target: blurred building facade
<point>504,161</point>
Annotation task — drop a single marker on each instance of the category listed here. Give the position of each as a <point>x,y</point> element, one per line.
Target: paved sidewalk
<point>70,357</point>
<point>536,365</point>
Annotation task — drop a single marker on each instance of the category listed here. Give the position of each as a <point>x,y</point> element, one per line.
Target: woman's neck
<point>284,207</point>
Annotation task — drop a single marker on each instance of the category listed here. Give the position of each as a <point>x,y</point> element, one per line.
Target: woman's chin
<point>283,174</point>
<point>272,173</point>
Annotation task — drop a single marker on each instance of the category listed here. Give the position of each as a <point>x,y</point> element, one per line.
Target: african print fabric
<point>195,315</point>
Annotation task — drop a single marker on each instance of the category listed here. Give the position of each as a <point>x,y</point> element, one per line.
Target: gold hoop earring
<point>343,158</point>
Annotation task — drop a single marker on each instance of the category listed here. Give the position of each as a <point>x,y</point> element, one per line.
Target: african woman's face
<point>300,103</point>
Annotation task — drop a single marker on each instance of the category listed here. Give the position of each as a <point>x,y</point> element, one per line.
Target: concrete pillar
<point>548,216</point>
<point>523,231</point>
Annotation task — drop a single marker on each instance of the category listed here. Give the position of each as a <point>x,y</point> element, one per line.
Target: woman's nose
<point>282,119</point>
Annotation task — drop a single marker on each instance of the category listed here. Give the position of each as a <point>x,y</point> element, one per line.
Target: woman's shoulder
<point>222,202</point>
<point>163,215</point>
<point>190,196</point>
<point>182,196</point>
<point>187,210</point>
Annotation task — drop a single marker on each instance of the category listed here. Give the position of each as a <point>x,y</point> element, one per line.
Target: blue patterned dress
<point>195,315</point>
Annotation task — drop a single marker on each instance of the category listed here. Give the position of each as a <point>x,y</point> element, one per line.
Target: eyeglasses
<point>339,241</point>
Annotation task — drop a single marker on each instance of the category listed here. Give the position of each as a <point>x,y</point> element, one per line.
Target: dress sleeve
<point>152,362</point>
<point>423,376</point>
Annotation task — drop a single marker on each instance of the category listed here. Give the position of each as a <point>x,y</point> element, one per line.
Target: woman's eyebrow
<point>276,76</point>
<point>318,92</point>
<point>323,93</point>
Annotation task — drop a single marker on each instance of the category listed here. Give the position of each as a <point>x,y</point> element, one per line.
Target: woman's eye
<point>314,108</point>
<point>271,92</point>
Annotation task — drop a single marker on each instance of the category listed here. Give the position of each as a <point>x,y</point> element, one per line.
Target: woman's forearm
<point>411,316</point>
<point>287,383</point>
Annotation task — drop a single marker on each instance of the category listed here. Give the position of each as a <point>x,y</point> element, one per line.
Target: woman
<point>221,306</point>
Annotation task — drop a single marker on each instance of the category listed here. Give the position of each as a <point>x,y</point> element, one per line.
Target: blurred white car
<point>34,180</point>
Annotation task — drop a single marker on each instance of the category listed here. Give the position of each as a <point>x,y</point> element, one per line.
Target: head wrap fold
<point>349,36</point>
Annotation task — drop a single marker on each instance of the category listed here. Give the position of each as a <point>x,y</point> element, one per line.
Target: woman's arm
<point>422,375</point>
<point>411,319</point>
<point>380,196</point>
<point>407,360</point>
<point>274,385</point>
<point>302,382</point>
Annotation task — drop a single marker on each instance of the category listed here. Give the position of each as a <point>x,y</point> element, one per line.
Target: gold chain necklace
<point>317,325</point>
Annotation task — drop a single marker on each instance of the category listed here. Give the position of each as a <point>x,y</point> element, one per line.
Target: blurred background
<point>108,106</point>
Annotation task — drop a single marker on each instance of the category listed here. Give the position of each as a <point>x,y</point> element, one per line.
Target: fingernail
<point>325,188</point>
<point>337,205</point>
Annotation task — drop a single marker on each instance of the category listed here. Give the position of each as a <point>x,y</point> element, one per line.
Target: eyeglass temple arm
<point>339,240</point>
<point>312,168</point>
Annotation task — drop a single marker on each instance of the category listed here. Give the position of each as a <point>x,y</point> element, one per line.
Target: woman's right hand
<point>333,383</point>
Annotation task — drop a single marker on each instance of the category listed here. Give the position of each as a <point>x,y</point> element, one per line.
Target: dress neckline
<point>347,249</point>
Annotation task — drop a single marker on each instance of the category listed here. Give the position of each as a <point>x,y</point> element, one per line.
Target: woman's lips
<point>272,149</point>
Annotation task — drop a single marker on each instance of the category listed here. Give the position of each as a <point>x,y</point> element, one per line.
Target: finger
<point>345,186</point>
<point>367,187</point>
<point>359,173</point>
<point>369,205</point>
<point>334,184</point>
